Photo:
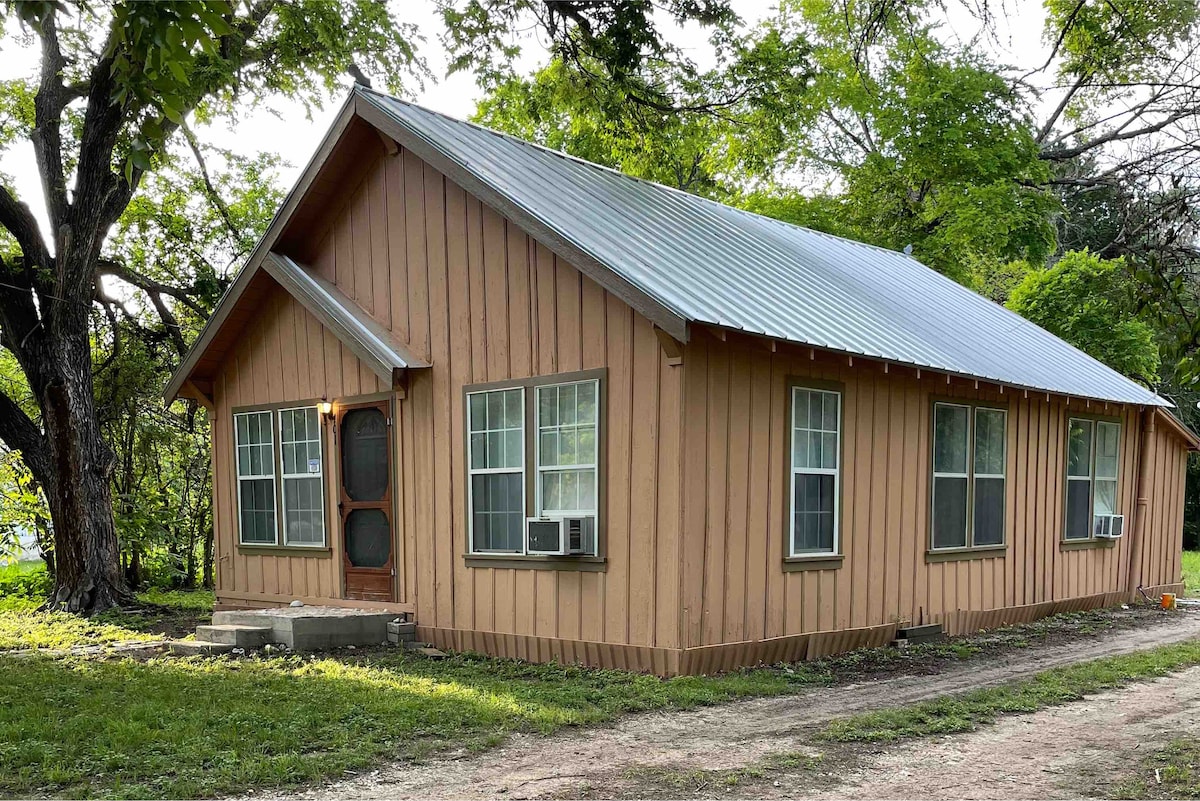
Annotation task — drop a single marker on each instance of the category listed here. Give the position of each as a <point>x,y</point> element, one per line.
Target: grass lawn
<point>201,727</point>
<point>22,588</point>
<point>1191,572</point>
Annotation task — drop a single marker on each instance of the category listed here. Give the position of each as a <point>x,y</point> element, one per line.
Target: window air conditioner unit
<point>560,536</point>
<point>1108,527</point>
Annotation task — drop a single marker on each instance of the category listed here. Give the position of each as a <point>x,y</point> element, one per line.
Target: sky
<point>291,134</point>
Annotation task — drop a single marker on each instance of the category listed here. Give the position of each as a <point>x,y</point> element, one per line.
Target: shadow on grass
<point>195,728</point>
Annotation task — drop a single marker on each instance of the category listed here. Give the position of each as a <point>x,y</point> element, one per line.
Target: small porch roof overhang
<point>368,340</point>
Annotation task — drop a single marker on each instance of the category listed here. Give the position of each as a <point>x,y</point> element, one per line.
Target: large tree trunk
<point>87,557</point>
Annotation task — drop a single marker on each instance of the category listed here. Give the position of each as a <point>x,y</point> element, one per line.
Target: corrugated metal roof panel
<point>715,264</point>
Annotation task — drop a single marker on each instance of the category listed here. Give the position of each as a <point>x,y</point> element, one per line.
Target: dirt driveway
<point>1049,754</point>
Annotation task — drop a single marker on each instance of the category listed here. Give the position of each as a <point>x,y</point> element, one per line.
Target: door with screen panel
<point>365,501</point>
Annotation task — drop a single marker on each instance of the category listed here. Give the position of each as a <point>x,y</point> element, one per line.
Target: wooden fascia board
<point>348,321</point>
<point>662,316</point>
<point>278,224</point>
<point>1185,433</point>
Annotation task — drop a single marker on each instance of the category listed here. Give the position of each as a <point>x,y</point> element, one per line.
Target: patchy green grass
<point>200,727</point>
<point>1191,572</point>
<point>1170,772</point>
<point>165,614</point>
<point>960,713</point>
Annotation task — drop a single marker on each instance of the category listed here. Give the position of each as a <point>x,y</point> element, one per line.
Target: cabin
<point>549,411</point>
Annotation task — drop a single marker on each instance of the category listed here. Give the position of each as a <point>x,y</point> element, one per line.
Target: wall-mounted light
<point>326,408</point>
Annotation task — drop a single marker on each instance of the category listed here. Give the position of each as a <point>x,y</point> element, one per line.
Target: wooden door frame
<point>344,506</point>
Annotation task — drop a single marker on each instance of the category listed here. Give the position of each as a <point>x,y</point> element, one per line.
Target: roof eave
<point>227,302</point>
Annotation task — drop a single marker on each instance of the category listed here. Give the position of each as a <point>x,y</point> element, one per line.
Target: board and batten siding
<point>283,355</point>
<point>695,481</point>
<point>482,302</point>
<point>736,484</point>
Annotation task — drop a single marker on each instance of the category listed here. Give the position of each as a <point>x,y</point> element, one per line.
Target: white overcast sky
<point>294,137</point>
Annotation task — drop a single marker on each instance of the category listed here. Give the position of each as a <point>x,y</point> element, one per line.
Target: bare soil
<point>721,751</point>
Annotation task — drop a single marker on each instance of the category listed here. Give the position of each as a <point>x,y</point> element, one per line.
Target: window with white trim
<point>302,476</point>
<point>256,478</point>
<point>567,423</point>
<point>558,425</point>
<point>968,492</point>
<point>1093,457</point>
<point>496,467</point>
<point>816,471</point>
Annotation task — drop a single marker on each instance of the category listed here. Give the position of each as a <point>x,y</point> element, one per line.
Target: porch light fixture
<point>326,408</point>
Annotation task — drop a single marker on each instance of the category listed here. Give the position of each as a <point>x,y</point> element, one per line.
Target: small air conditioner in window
<point>560,536</point>
<point>1108,527</point>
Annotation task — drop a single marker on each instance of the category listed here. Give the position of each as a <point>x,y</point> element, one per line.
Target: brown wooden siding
<point>695,487</point>
<point>735,385</point>
<point>283,354</point>
<point>482,301</point>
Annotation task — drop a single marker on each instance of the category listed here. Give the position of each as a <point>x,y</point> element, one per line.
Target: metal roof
<point>706,262</point>
<point>367,339</point>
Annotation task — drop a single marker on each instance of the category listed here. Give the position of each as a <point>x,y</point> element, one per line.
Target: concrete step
<point>240,636</point>
<point>199,647</point>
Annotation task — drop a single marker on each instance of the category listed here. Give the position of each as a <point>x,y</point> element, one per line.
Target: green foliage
<point>967,711</point>
<point>1191,571</point>
<point>25,580</point>
<point>1086,300</point>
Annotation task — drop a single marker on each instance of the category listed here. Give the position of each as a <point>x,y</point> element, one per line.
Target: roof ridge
<point>605,168</point>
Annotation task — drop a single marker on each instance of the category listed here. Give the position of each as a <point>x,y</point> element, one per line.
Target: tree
<point>1086,300</point>
<point>101,119</point>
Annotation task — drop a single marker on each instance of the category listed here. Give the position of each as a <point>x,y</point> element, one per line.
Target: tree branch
<point>48,105</point>
<point>149,285</point>
<point>22,434</point>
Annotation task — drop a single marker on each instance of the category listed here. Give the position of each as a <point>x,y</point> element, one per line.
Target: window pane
<point>257,498</point>
<point>829,451</point>
<point>1106,497</point>
<point>800,401</point>
<point>1079,513</point>
<point>800,450</point>
<point>989,511</point>
<point>569,491</point>
<point>547,406</point>
<point>1108,444</point>
<point>1079,448</point>
<point>950,438</point>
<point>303,517</point>
<point>989,441</point>
<point>829,403</point>
<point>949,512</point>
<point>497,511</point>
<point>478,407</point>
<point>586,402</point>
<point>814,513</point>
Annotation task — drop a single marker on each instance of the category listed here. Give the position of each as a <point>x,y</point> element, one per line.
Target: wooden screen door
<point>365,501</point>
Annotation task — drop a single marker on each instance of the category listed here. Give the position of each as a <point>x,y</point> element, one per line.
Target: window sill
<point>516,561</point>
<point>823,561</point>
<point>1087,544</point>
<point>961,554</point>
<point>284,550</point>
